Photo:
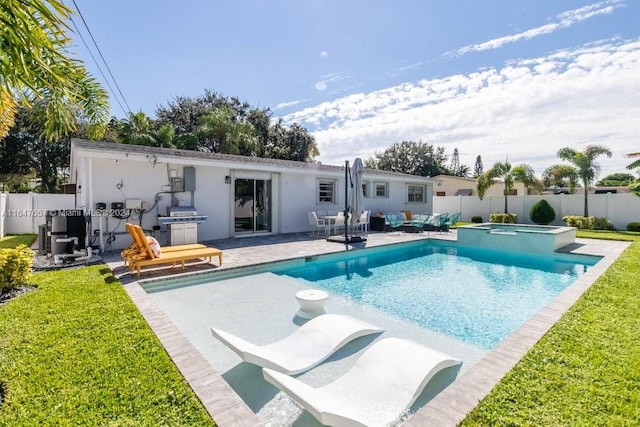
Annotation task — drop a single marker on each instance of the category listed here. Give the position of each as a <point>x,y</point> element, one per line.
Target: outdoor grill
<point>182,224</point>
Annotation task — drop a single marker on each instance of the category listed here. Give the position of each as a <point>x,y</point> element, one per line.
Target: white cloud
<point>563,20</point>
<point>321,86</point>
<point>290,103</point>
<point>528,109</point>
<point>324,54</point>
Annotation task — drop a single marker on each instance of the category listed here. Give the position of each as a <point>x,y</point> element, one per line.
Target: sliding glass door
<point>252,205</point>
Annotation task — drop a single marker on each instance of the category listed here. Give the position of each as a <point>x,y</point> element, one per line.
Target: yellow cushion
<point>407,214</point>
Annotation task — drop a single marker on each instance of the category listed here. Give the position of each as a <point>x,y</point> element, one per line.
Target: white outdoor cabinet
<point>184,233</point>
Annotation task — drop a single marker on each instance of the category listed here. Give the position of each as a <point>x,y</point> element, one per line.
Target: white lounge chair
<point>376,391</point>
<point>307,347</point>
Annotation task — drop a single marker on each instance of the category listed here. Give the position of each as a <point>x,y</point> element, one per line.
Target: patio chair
<point>136,248</point>
<point>452,220</point>
<point>339,221</point>
<point>395,221</point>
<point>362,224</point>
<point>150,257</point>
<point>317,224</point>
<point>307,347</point>
<point>376,391</point>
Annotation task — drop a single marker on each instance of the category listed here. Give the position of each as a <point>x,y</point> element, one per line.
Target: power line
<point>101,56</point>
<point>98,65</point>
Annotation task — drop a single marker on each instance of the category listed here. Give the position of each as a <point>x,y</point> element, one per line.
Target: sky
<point>506,80</point>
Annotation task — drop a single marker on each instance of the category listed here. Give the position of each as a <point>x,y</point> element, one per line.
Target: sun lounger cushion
<point>376,391</point>
<point>307,347</point>
<point>155,246</point>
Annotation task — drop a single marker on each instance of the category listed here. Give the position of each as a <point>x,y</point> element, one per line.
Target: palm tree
<point>635,164</point>
<point>585,164</point>
<point>137,129</point>
<point>508,175</point>
<point>218,131</point>
<point>35,71</point>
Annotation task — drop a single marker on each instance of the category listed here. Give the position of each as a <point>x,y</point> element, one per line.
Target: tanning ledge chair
<point>376,391</point>
<point>307,347</point>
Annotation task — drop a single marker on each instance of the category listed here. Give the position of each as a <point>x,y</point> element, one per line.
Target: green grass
<point>586,369</point>
<point>11,241</point>
<point>77,352</point>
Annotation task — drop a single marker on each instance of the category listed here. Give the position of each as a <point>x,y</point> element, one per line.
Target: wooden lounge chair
<point>171,257</point>
<point>137,250</point>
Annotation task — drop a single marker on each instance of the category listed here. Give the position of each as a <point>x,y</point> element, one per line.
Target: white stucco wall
<point>100,178</point>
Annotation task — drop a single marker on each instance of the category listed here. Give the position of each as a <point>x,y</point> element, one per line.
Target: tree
<point>137,129</point>
<point>586,165</point>
<point>616,179</point>
<point>478,169</point>
<point>456,168</point>
<point>563,176</point>
<point>219,132</point>
<point>186,114</point>
<point>636,164</point>
<point>294,143</point>
<point>523,173</point>
<point>27,153</point>
<point>415,158</point>
<point>34,71</point>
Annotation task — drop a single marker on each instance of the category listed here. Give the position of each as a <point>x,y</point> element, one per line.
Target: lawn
<point>77,352</point>
<point>585,370</point>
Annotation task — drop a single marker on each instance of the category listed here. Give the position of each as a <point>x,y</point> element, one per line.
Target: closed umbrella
<point>356,199</point>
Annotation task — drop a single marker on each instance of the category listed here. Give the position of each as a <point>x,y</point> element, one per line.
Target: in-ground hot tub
<point>516,237</point>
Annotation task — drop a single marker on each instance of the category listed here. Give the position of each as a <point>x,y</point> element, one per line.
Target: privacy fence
<point>620,209</point>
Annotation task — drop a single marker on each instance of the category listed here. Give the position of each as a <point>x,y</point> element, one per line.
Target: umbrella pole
<point>346,206</point>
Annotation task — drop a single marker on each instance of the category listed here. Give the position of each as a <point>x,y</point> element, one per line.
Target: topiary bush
<point>15,267</point>
<point>588,223</point>
<point>476,219</point>
<point>503,218</point>
<point>633,226</point>
<point>542,213</point>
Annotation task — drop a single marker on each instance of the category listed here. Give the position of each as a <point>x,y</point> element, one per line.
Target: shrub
<point>476,219</point>
<point>633,226</point>
<point>503,218</point>
<point>588,223</point>
<point>15,267</point>
<point>542,213</point>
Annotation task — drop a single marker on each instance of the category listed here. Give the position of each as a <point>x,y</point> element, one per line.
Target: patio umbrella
<point>356,199</point>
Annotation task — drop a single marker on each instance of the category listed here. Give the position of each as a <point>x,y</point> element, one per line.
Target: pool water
<point>479,296</point>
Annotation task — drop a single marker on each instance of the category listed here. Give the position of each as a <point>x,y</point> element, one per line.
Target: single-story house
<point>239,196</point>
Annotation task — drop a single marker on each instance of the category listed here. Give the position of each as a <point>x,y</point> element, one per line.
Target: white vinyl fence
<point>620,209</point>
<point>24,212</point>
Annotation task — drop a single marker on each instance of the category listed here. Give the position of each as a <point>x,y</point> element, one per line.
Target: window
<point>326,191</point>
<point>366,189</point>
<point>415,193</point>
<point>381,189</point>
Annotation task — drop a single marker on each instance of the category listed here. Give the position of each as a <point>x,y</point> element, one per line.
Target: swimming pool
<point>475,295</point>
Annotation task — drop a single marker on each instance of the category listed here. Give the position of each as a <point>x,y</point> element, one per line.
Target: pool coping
<point>448,408</point>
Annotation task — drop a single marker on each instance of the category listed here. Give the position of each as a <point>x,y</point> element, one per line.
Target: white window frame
<point>366,189</point>
<point>422,192</point>
<point>319,195</point>
<point>381,185</point>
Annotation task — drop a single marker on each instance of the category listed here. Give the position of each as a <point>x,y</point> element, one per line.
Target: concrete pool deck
<point>448,407</point>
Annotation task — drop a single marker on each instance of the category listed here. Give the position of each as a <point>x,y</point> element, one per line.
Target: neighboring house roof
<point>124,150</point>
<point>456,178</point>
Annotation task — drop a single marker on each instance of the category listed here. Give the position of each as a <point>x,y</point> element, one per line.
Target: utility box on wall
<point>189,173</point>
